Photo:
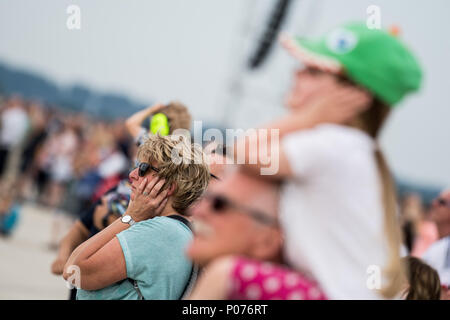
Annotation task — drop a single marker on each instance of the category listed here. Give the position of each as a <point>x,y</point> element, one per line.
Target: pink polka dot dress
<point>255,280</point>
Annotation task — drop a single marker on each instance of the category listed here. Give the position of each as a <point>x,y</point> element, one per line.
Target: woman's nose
<point>134,174</point>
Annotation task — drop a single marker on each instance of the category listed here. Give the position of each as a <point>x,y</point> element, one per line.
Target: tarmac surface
<point>25,257</point>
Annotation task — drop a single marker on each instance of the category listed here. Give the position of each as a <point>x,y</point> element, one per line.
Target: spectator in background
<point>9,209</point>
<point>35,139</point>
<point>111,169</point>
<point>419,232</point>
<point>62,149</point>
<point>122,138</point>
<point>438,254</point>
<point>165,119</point>
<point>422,281</point>
<point>14,124</point>
<point>101,214</point>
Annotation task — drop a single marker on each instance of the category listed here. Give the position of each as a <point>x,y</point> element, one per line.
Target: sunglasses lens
<point>143,167</point>
<point>219,204</point>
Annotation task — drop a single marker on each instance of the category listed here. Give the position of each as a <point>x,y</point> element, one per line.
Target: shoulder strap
<point>136,287</point>
<point>194,270</point>
<point>181,219</point>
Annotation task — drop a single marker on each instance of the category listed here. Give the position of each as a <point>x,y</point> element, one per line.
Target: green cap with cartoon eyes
<point>372,58</point>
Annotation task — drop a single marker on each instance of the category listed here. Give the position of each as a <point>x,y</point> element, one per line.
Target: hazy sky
<point>188,50</point>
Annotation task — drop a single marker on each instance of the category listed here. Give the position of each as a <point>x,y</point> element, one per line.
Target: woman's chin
<point>293,104</point>
<point>293,107</point>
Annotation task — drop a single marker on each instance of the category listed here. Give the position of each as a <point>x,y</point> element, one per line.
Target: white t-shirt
<point>332,211</point>
<point>438,256</point>
<point>114,164</point>
<point>14,124</point>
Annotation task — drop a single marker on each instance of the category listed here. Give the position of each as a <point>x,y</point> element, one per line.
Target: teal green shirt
<point>154,255</point>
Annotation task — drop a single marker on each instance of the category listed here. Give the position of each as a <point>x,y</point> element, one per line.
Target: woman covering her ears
<point>337,206</point>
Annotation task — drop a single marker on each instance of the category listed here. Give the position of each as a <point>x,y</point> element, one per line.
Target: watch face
<point>126,219</point>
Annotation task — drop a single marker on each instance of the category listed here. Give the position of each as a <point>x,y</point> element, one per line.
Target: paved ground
<point>25,258</point>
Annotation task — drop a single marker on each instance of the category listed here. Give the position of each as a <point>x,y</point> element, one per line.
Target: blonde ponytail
<point>394,271</point>
<point>371,122</point>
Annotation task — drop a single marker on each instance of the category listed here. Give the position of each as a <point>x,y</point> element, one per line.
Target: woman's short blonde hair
<point>180,162</point>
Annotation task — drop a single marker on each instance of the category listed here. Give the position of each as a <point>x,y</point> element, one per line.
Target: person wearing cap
<point>337,206</point>
<point>164,119</point>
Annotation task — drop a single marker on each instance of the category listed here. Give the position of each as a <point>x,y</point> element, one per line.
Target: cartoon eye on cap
<point>341,41</point>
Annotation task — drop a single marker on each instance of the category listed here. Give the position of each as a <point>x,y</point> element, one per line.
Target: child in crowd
<point>161,118</point>
<point>423,281</point>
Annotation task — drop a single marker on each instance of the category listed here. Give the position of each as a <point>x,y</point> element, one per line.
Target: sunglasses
<point>144,166</point>
<point>443,202</point>
<point>220,204</point>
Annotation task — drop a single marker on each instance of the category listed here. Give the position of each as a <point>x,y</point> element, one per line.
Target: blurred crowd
<point>58,159</point>
<point>332,223</point>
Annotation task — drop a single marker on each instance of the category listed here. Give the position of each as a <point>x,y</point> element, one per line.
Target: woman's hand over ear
<point>149,201</point>
<point>336,104</point>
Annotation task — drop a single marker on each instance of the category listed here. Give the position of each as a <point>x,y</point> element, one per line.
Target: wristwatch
<point>128,219</point>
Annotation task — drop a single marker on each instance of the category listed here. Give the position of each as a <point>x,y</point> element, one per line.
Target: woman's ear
<point>172,189</point>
